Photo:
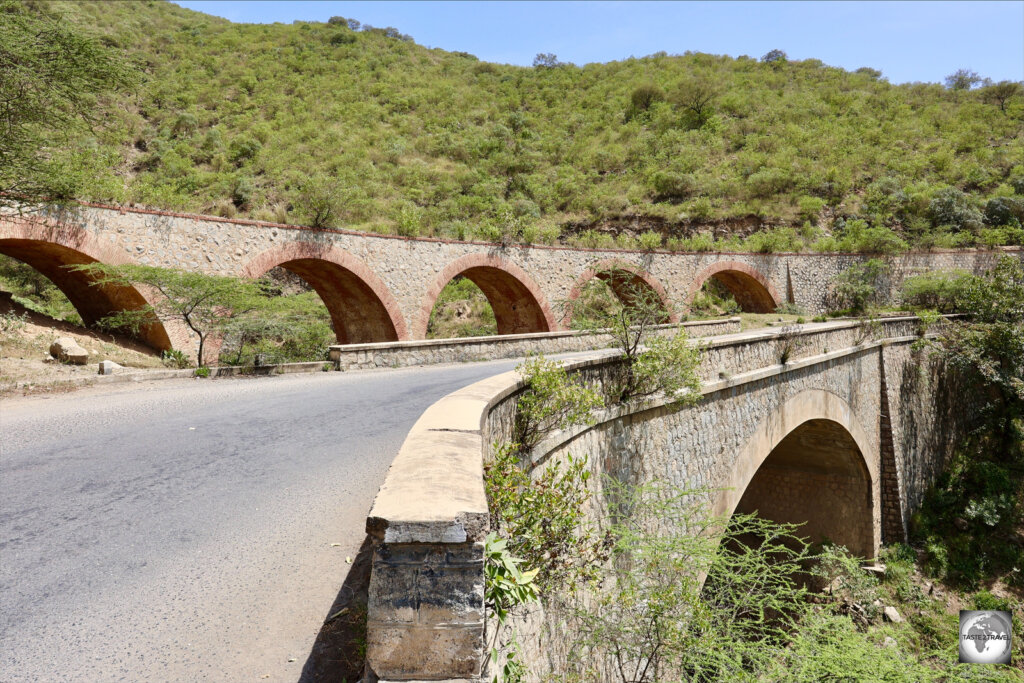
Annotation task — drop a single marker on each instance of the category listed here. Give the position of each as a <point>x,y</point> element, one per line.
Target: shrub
<point>241,196</point>
<point>243,148</point>
<point>672,186</point>
<point>552,400</point>
<point>343,38</point>
<point>643,98</point>
<point>857,236</point>
<point>173,358</point>
<point>543,518</point>
<point>984,600</point>
<point>860,286</point>
<point>1004,211</point>
<point>810,208</point>
<point>774,241</point>
<point>963,79</point>
<point>952,207</point>
<point>936,290</point>
<point>649,241</point>
<point>320,201</point>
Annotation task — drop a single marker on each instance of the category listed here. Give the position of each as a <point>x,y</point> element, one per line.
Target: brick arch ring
<point>639,275</point>
<point>50,245</point>
<point>753,291</point>
<point>519,304</point>
<point>362,307</point>
<point>810,404</point>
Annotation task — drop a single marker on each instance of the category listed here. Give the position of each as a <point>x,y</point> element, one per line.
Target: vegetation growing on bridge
<point>329,126</point>
<point>747,599</point>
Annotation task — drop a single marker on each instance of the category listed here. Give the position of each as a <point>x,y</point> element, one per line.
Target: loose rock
<point>67,350</point>
<point>892,615</point>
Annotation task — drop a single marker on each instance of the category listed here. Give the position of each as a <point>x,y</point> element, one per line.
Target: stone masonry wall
<point>470,349</point>
<point>406,274</point>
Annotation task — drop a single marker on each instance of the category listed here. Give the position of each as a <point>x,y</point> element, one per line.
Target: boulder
<point>109,367</point>
<point>67,350</point>
<point>892,615</point>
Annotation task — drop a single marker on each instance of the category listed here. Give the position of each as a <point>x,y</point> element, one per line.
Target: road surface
<point>185,530</point>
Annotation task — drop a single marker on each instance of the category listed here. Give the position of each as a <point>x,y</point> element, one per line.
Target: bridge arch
<point>519,304</point>
<point>624,279</point>
<point>51,247</point>
<point>752,290</point>
<point>811,462</point>
<point>361,306</point>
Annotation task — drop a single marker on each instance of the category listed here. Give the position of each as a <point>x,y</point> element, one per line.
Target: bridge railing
<point>426,615</point>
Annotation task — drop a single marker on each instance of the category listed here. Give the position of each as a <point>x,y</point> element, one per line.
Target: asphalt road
<point>183,530</point>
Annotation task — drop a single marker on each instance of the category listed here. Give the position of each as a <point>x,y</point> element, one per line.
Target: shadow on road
<point>340,647</point>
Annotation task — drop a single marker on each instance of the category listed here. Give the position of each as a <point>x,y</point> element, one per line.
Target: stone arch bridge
<point>381,288</point>
<point>839,427</point>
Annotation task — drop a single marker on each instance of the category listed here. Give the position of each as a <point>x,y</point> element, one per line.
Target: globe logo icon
<point>985,637</point>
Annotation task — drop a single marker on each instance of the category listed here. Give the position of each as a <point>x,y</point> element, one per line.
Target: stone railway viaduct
<point>381,288</point>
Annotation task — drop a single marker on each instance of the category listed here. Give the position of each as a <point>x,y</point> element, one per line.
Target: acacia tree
<point>963,79</point>
<point>51,79</point>
<point>206,304</point>
<point>1001,93</point>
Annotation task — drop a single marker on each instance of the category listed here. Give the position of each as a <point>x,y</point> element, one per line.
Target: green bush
<point>984,600</point>
<point>952,207</point>
<point>552,400</point>
<point>1004,211</point>
<point>936,290</point>
<point>860,286</point>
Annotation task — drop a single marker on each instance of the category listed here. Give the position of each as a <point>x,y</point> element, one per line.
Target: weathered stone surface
<point>67,350</point>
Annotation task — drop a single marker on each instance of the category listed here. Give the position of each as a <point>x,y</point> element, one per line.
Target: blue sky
<point>907,41</point>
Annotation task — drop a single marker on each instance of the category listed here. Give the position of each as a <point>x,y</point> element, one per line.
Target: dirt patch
<point>25,338</point>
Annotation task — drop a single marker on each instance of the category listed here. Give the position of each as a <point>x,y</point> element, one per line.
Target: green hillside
<point>319,124</point>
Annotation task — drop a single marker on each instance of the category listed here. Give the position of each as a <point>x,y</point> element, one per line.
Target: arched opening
<point>361,308</point>
<point>609,285</point>
<point>816,476</point>
<point>92,302</point>
<point>752,290</point>
<point>461,310</point>
<point>517,302</point>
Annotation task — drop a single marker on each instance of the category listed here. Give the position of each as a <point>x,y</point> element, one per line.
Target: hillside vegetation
<point>320,124</point>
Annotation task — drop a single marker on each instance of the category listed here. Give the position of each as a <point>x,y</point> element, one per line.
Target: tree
<point>204,303</point>
<point>51,82</point>
<point>546,60</point>
<point>695,95</point>
<point>1001,93</point>
<point>775,57</point>
<point>963,79</point>
<point>321,201</point>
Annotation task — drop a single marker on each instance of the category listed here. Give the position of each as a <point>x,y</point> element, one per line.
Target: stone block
<point>403,653</point>
<point>67,350</point>
<point>109,367</point>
